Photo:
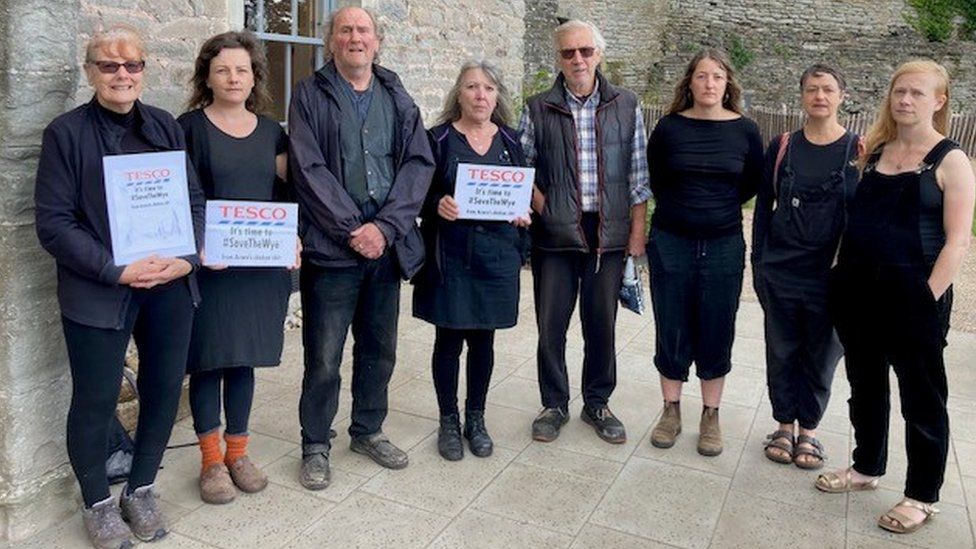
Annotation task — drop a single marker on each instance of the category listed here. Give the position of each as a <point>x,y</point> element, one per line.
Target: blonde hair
<point>885,129</point>
<point>116,41</point>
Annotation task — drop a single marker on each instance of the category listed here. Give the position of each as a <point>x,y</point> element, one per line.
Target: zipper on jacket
<point>600,184</point>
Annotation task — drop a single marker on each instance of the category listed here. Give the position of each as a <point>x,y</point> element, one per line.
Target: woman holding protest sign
<point>469,286</point>
<point>240,155</point>
<point>103,302</point>
<point>801,210</point>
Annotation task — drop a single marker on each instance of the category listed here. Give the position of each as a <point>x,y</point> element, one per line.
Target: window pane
<point>278,16</point>
<point>302,66</point>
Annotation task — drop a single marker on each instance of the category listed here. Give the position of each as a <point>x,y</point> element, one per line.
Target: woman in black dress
<point>470,283</point>
<point>705,160</point>
<point>800,212</point>
<point>239,155</point>
<point>891,291</point>
<point>103,303</point>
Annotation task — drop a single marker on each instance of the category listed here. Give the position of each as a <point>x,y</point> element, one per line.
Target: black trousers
<point>890,318</point>
<point>205,401</point>
<point>160,319</point>
<point>695,289</point>
<point>446,362</point>
<point>558,279</point>
<point>802,349</point>
<point>367,298</point>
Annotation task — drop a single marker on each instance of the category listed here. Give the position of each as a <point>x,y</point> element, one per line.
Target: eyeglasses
<point>570,53</point>
<point>111,67</point>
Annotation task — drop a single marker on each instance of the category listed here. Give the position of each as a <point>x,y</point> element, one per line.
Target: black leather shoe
<point>315,473</point>
<point>545,427</point>
<point>449,443</point>
<point>378,447</point>
<point>606,425</point>
<point>474,430</point>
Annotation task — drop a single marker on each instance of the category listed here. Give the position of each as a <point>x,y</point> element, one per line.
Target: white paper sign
<point>496,193</point>
<point>251,234</point>
<point>148,205</point>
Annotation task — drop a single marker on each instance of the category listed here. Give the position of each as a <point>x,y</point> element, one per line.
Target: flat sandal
<point>900,523</point>
<point>839,482</point>
<point>779,440</point>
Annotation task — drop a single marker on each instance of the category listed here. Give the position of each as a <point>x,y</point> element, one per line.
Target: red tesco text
<point>139,175</point>
<point>253,212</point>
<point>494,175</point>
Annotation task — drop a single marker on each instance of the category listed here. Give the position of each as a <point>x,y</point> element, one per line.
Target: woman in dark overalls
<point>799,216</point>
<point>469,286</point>
<point>891,293</point>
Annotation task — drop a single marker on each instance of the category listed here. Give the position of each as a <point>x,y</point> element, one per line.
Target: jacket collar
<point>556,96</point>
<point>146,123</point>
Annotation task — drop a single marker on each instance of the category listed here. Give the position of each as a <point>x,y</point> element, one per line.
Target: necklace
<point>900,163</point>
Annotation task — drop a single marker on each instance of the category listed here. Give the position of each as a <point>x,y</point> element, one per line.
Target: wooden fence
<point>962,127</point>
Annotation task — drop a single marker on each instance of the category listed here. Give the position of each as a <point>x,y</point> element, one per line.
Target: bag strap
<point>784,143</point>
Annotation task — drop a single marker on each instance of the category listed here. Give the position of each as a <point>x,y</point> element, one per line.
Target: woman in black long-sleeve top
<point>705,160</point>
<point>469,286</point>
<point>102,303</point>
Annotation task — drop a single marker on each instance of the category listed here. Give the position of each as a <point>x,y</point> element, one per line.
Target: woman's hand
<point>522,221</point>
<point>137,269</point>
<point>171,269</point>
<point>203,261</point>
<point>448,208</point>
<point>298,255</point>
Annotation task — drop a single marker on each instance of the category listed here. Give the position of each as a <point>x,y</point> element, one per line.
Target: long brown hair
<point>885,129</point>
<point>202,95</point>
<point>683,99</point>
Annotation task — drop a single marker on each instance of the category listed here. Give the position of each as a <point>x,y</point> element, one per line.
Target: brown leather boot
<point>709,433</point>
<point>668,427</point>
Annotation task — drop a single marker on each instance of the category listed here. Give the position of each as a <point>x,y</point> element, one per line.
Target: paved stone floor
<point>575,492</point>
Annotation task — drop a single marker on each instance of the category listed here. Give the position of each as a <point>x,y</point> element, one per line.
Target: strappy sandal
<point>838,482</point>
<point>779,440</point>
<point>900,523</point>
<point>817,451</point>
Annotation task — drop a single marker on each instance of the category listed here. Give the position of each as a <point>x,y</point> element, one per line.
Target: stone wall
<point>539,65</point>
<point>634,31</point>
<point>427,41</point>
<point>41,51</point>
<point>867,39</point>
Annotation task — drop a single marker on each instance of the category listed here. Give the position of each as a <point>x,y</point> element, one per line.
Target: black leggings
<point>238,396</point>
<point>160,320</point>
<point>446,363</point>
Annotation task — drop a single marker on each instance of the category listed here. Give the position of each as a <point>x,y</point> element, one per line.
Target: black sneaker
<point>474,430</point>
<point>606,425</point>
<point>315,474</point>
<point>449,443</point>
<point>378,447</point>
<point>545,427</point>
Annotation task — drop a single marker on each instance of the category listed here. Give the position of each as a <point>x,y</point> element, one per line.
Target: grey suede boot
<point>105,527</point>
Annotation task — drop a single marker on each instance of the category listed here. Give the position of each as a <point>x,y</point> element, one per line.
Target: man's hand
<point>448,208</point>
<point>172,268</point>
<point>298,255</point>
<point>368,241</point>
<point>636,244</point>
<point>538,200</point>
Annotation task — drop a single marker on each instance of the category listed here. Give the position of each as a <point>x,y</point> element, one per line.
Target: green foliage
<point>739,53</point>
<point>532,85</point>
<point>613,71</point>
<point>933,19</point>
<point>967,9</point>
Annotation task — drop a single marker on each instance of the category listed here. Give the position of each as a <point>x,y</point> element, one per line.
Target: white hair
<point>576,24</point>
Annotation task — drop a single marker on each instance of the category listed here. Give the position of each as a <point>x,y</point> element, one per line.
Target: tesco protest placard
<point>495,193</point>
<point>148,205</point>
<point>251,234</point>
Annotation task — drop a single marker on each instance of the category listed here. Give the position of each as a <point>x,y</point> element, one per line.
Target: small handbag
<point>631,289</point>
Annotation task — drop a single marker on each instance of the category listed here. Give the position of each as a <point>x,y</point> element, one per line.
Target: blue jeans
<point>367,298</point>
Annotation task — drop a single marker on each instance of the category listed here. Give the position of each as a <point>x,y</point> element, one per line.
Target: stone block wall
<point>427,41</point>
<point>866,39</point>
<point>41,53</point>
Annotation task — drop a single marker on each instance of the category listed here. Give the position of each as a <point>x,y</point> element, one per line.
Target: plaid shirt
<point>584,117</point>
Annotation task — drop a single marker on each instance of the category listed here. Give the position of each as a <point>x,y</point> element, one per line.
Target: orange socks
<point>210,449</point>
<point>236,448</point>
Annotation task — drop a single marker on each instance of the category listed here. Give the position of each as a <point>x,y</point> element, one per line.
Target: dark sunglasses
<point>570,53</point>
<point>111,67</point>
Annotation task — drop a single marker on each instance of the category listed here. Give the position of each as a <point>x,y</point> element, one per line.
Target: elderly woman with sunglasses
<point>103,303</point>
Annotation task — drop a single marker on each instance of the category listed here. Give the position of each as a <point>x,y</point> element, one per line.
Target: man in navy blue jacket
<point>361,164</point>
